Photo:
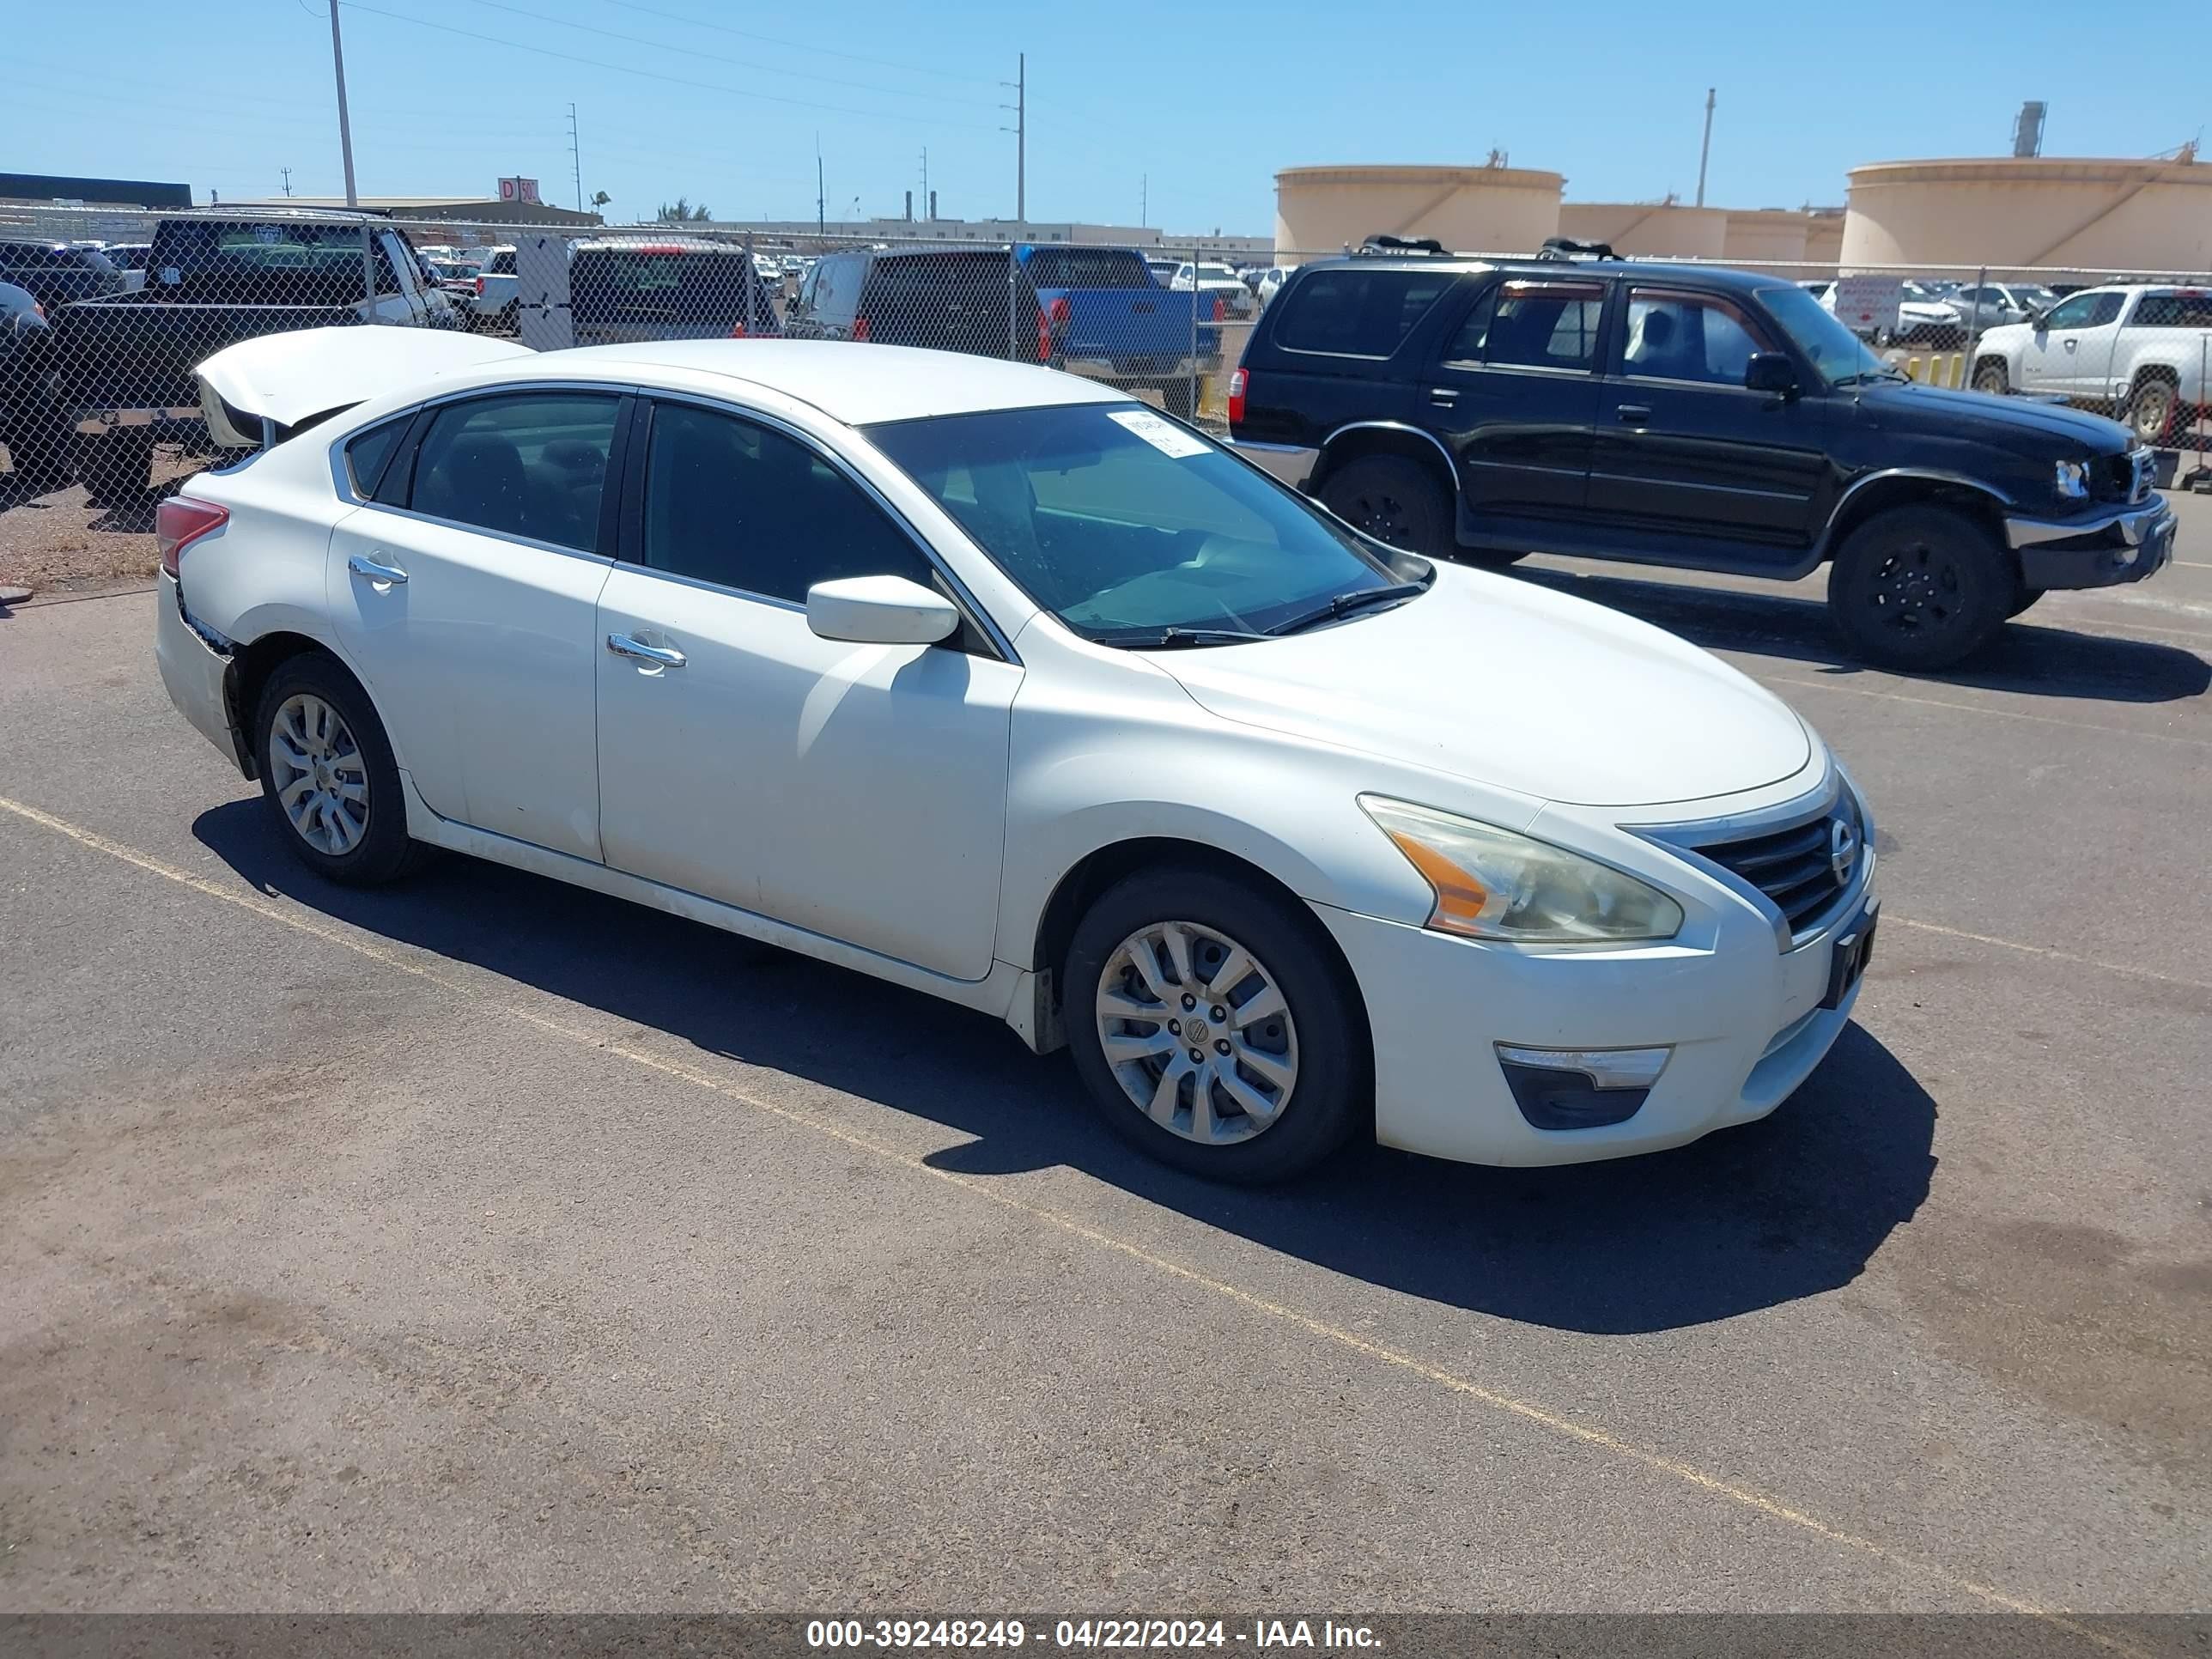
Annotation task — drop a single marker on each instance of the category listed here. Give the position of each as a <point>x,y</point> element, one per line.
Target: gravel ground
<point>479,1243</point>
<point>59,546</point>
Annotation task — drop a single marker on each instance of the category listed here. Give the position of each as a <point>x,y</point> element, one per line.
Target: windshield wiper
<point>1345,603</point>
<point>1168,639</point>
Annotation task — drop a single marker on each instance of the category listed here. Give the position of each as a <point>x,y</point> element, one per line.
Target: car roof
<point>1720,277</point>
<point>858,385</point>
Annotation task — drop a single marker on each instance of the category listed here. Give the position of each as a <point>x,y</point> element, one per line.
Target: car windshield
<point>1839,356</point>
<point>1133,529</point>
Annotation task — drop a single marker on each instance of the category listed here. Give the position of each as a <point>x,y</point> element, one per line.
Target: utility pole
<point>345,127</point>
<point>820,222</point>
<point>287,171</point>
<point>1705,149</point>
<point>1021,131</point>
<point>575,156</point>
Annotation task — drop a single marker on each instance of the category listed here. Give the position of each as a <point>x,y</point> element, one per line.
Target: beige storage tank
<point>1470,209</point>
<point>2019,212</point>
<point>1767,238</point>
<point>1650,230</point>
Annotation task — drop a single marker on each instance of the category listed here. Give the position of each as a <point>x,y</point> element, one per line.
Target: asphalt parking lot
<point>482,1243</point>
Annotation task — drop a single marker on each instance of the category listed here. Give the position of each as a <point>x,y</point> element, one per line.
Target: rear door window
<point>367,455</point>
<point>1532,324</point>
<point>661,290</point>
<point>2185,310</point>
<point>530,464</point>
<point>1347,311</point>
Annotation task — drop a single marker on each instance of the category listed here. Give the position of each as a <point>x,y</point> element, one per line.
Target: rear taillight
<point>861,329</point>
<point>181,521</point>
<point>480,287</point>
<point>1237,398</point>
<point>738,333</point>
<point>1221,309</point>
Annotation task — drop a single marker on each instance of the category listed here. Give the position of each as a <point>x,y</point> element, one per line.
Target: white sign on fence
<point>1866,304</point>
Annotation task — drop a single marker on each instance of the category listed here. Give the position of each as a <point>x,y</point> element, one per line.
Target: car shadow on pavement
<point>1746,1218</point>
<point>2026,657</point>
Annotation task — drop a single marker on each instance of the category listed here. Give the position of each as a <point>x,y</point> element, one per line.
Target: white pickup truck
<point>2137,351</point>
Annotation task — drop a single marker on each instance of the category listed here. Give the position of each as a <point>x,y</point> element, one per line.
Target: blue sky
<point>722,103</point>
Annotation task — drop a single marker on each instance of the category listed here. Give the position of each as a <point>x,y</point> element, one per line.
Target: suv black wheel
<point>1395,501</point>
<point>328,773</point>
<point>1213,1026</point>
<point>1920,587</point>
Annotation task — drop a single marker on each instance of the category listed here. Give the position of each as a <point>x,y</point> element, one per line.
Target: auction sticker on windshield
<point>1161,434</point>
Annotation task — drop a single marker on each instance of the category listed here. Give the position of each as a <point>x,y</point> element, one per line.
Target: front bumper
<point>2101,549</point>
<point>1743,1020</point>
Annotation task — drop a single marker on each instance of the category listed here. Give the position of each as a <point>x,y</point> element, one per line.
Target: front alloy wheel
<point>1197,1033</point>
<point>320,778</point>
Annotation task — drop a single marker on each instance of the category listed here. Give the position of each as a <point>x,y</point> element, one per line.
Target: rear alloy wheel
<point>2150,410</point>
<point>1211,1028</point>
<point>1396,501</point>
<point>1920,587</point>
<point>328,773</point>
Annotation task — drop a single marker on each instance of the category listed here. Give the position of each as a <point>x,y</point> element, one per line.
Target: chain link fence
<point>112,311</point>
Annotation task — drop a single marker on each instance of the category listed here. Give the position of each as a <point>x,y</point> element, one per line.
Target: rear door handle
<point>661,656</point>
<point>384,575</point>
<point>1634,414</point>
<point>1443,396</point>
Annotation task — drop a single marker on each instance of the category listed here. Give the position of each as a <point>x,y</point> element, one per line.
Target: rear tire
<point>2151,406</point>
<point>1920,587</point>
<point>1281,1080</point>
<point>328,775</point>
<point>116,466</point>
<point>1396,501</point>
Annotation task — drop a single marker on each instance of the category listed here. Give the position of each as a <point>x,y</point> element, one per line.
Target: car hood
<point>1997,420</point>
<point>1512,684</point>
<point>1928,311</point>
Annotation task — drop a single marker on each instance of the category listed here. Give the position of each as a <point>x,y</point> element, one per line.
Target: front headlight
<point>1492,884</point>
<point>2073,480</point>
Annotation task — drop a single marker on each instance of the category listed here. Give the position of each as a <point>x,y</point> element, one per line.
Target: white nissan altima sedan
<point>989,681</point>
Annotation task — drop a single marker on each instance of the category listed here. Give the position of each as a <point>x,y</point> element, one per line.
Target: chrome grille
<point>1804,868</point>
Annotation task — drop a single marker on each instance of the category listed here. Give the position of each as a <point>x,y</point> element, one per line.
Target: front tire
<point>1214,1028</point>
<point>1920,587</point>
<point>328,773</point>
<point>1396,501</point>
<point>1991,376</point>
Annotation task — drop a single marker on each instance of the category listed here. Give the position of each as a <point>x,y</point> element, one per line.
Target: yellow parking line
<point>1983,708</point>
<point>1582,1433</point>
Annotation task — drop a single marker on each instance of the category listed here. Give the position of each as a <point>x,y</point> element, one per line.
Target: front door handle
<point>384,575</point>
<point>1634,414</point>
<point>661,656</point>
<point>1443,396</point>
<point>2070,344</point>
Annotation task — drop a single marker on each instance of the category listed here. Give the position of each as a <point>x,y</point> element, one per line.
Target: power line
<point>655,74</point>
<point>716,57</point>
<point>797,46</point>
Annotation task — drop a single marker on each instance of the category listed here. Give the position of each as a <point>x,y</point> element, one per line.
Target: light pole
<point>345,128</point>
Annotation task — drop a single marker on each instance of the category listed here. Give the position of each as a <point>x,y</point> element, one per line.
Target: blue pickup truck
<point>1097,311</point>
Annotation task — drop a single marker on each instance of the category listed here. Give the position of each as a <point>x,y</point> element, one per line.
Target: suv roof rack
<point>1383,244</point>
<point>1566,247</point>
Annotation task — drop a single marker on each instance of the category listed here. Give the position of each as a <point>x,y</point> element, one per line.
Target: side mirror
<point>880,610</point>
<point>1771,372</point>
<point>2037,320</point>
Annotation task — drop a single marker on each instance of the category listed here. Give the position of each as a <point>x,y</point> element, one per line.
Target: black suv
<point>1667,414</point>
